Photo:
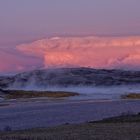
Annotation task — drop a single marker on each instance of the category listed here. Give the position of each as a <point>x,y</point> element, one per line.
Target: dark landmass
<point>65,77</point>
<point>131,96</point>
<point>16,94</point>
<point>125,117</point>
<point>1,105</point>
<point>1,91</point>
<point>125,127</point>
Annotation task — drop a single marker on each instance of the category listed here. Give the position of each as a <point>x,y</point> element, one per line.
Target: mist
<point>88,92</point>
<point>87,82</point>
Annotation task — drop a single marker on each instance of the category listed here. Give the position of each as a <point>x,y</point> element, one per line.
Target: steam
<point>88,92</point>
<point>96,52</point>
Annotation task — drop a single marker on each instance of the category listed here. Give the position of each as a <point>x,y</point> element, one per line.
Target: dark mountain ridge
<point>65,77</point>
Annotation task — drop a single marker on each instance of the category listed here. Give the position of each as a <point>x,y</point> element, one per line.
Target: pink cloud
<point>96,52</point>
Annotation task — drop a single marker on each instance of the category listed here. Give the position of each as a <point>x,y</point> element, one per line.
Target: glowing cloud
<point>96,52</point>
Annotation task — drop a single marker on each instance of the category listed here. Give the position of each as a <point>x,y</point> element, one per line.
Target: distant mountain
<point>65,77</point>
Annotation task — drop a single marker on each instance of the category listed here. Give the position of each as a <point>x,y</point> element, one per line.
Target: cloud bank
<point>95,52</point>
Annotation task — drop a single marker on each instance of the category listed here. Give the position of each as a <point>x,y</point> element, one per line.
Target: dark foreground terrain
<point>125,127</point>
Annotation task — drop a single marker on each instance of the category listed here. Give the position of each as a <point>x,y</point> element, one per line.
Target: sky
<point>27,21</point>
